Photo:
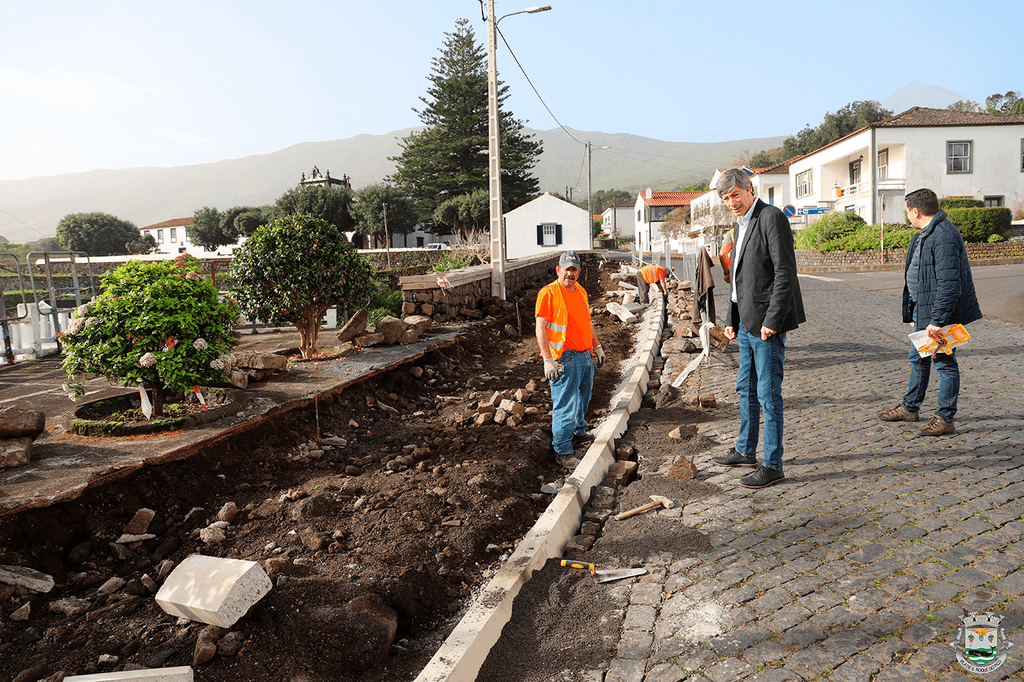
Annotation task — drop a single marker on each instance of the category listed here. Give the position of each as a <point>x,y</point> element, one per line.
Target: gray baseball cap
<point>569,259</point>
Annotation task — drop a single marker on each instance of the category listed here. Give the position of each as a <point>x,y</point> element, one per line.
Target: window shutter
<point>558,233</point>
<point>540,235</point>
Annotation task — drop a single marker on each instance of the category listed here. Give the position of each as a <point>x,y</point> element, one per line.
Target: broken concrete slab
<point>140,522</point>
<point>178,674</point>
<point>213,590</point>
<point>30,579</point>
<point>620,312</point>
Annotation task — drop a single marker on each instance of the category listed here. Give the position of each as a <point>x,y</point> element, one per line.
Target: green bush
<point>979,224</point>
<point>867,238</point>
<point>946,203</point>
<point>454,261</point>
<point>831,227</point>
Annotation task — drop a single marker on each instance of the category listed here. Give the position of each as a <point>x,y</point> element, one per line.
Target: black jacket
<point>767,289</point>
<point>945,290</point>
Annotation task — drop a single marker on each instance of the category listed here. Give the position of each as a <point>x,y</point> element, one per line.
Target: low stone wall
<point>469,294</point>
<point>809,260</point>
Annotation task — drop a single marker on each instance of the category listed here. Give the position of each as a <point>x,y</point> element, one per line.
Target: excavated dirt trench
<point>388,528</point>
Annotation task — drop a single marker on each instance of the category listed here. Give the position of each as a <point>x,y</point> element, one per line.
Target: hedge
<point>979,224</point>
<point>946,203</point>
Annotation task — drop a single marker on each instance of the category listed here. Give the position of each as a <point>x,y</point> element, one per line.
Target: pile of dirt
<point>382,504</point>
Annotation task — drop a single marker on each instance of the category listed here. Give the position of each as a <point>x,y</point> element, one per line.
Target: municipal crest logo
<point>980,644</point>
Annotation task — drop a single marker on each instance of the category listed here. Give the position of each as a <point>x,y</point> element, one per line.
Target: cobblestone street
<point>858,566</point>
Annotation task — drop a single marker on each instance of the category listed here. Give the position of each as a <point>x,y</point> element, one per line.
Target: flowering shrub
<point>159,324</point>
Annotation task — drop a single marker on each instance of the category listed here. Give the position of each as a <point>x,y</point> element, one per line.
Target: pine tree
<point>449,158</point>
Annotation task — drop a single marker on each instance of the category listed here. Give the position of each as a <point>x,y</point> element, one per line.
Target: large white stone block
<point>213,590</point>
<point>179,674</point>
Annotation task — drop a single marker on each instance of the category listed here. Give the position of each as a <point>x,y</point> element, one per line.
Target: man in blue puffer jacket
<point>939,291</point>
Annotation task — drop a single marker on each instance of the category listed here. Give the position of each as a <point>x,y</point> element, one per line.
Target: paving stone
<point>911,608</point>
<point>735,575</point>
<point>640,617</point>
<point>959,556</point>
<point>814,660</point>
<point>900,673</point>
<point>739,595</point>
<point>981,599</point>
<point>920,633</point>
<point>666,672</point>
<point>889,650</point>
<point>893,521</point>
<point>705,589</point>
<point>837,617</point>
<point>646,593</point>
<point>775,675</point>
<point>857,669</point>
<point>1012,585</point>
<point>625,671</point>
<point>880,625</point>
<point>880,570</point>
<point>772,600</point>
<point>736,642</point>
<point>820,600</point>
<point>787,617</point>
<point>805,584</point>
<point>766,652</point>
<point>944,539</point>
<point>850,584</point>
<point>869,601</point>
<point>864,535</point>
<point>901,584</point>
<point>802,636</point>
<point>934,657</point>
<point>929,571</point>
<point>728,670</point>
<point>939,591</point>
<point>913,553</point>
<point>909,532</point>
<point>697,659</point>
<point>969,577</point>
<point>635,644</point>
<point>846,643</point>
<point>831,552</point>
<point>972,526</point>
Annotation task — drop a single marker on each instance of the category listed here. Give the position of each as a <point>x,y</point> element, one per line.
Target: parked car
<point>439,246</point>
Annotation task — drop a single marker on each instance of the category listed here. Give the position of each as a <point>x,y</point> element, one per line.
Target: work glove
<point>552,370</point>
<point>599,356</point>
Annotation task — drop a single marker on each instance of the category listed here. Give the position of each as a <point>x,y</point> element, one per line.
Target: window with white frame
<point>159,236</point>
<point>1022,155</point>
<point>174,234</point>
<point>804,184</point>
<point>959,156</point>
<point>991,201</point>
<point>550,238</point>
<point>883,164</point>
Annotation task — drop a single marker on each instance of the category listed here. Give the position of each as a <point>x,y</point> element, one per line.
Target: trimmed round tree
<point>158,324</point>
<point>292,270</point>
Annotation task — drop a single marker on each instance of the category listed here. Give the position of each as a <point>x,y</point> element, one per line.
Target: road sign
<point>789,211</point>
<point>813,210</point>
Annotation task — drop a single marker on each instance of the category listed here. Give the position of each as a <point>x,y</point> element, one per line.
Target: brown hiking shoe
<point>937,427</point>
<point>898,414</point>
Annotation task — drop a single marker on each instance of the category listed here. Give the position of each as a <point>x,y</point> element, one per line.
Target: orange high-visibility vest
<point>725,254</point>
<point>558,323</point>
<point>652,273</point>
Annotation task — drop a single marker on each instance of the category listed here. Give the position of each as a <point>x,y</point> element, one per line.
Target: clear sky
<point>120,84</point>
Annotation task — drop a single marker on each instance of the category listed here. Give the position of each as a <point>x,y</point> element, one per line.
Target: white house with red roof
<point>172,239</point>
<point>954,153</point>
<point>652,209</point>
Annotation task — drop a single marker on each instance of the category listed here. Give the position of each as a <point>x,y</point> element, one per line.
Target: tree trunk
<point>158,401</point>
<point>309,331</point>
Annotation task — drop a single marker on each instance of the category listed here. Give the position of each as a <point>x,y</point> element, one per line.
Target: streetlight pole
<point>494,150</point>
<point>590,197</point>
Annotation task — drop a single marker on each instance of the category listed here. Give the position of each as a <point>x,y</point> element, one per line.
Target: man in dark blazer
<point>766,304</point>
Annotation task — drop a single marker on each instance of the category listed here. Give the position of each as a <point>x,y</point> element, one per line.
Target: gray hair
<point>732,179</point>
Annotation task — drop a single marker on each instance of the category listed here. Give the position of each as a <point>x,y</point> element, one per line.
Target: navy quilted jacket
<point>944,285</point>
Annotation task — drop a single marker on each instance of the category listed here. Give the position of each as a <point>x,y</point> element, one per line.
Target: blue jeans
<point>759,385</point>
<point>570,397</point>
<point>949,381</point>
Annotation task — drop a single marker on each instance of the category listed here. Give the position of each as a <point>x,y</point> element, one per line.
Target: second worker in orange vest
<point>570,351</point>
<point>649,274</point>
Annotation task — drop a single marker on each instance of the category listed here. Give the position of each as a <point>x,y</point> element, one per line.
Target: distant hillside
<point>150,195</point>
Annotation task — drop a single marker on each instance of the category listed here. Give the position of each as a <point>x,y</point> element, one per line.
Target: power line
<point>23,223</point>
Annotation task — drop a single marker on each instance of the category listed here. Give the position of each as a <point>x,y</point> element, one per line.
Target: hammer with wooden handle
<point>658,501</point>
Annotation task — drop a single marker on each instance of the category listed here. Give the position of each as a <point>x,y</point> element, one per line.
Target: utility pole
<point>590,205</point>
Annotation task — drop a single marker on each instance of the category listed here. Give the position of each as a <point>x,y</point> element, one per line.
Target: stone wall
<point>470,294</point>
<point>809,260</point>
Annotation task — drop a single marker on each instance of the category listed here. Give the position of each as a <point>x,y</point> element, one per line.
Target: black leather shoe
<point>762,478</point>
<point>735,459</point>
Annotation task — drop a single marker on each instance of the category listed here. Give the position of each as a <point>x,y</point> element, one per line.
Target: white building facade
<point>546,224</point>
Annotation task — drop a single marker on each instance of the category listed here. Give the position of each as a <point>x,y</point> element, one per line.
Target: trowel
<point>607,575</point>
